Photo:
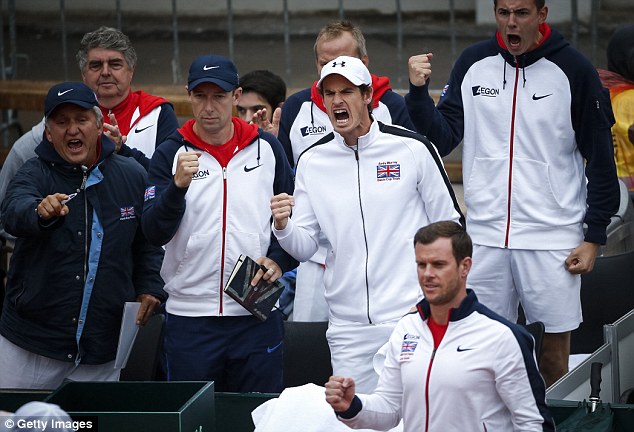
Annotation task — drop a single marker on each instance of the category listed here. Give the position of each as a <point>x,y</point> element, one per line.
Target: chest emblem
<point>200,174</point>
<point>312,130</point>
<point>127,213</point>
<point>408,346</point>
<point>387,171</point>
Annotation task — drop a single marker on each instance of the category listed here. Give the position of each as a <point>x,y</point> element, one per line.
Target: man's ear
<point>48,135</point>
<point>368,95</point>
<point>236,95</point>
<point>465,266</point>
<point>543,14</point>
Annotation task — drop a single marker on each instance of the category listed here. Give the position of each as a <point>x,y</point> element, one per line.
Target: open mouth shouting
<point>74,145</point>
<point>341,116</point>
<point>514,41</point>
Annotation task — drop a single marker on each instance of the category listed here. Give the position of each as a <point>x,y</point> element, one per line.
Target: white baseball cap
<point>348,67</point>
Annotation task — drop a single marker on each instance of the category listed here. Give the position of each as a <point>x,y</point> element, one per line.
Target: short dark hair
<point>539,3</point>
<point>461,245</point>
<point>265,83</point>
<point>107,38</point>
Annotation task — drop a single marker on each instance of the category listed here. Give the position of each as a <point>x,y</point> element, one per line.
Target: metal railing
<point>9,58</point>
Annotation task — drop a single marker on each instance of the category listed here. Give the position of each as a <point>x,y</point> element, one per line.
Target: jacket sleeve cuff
<point>419,92</point>
<point>283,233</point>
<point>355,408</point>
<point>596,234</point>
<point>173,196</point>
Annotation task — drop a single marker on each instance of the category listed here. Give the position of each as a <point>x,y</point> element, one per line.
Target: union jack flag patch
<point>408,346</point>
<point>127,213</point>
<point>150,193</point>
<point>388,171</point>
<point>444,90</point>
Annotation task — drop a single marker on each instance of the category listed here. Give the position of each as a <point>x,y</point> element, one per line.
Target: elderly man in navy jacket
<point>80,253</point>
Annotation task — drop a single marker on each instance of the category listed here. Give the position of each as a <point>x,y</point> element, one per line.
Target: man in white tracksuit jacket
<point>451,364</point>
<point>367,187</point>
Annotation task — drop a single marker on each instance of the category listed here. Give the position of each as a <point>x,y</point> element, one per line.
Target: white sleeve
<point>382,409</point>
<point>434,192</point>
<point>514,386</point>
<point>300,236</point>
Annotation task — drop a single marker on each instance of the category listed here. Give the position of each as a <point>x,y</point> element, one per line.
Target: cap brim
<point>82,104</point>
<point>222,84</point>
<point>354,81</point>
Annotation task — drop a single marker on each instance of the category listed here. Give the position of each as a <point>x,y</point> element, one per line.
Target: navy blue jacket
<point>69,277</point>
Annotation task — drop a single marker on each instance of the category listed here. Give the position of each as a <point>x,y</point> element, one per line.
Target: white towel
<point>300,409</point>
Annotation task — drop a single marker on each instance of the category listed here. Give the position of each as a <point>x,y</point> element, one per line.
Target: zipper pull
<point>84,170</point>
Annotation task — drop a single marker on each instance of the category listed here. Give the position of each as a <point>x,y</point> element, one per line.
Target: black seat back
<point>144,358</point>
<point>306,353</point>
<point>607,293</point>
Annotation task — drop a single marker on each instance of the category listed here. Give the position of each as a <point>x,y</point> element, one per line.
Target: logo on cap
<point>351,68</point>
<point>214,69</point>
<point>76,93</point>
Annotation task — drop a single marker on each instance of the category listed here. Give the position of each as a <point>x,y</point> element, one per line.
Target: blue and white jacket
<point>528,124</point>
<point>481,377</point>
<point>224,213</point>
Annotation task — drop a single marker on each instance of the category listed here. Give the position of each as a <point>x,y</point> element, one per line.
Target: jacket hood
<point>551,42</point>
<point>621,52</point>
<point>243,135</point>
<point>124,111</point>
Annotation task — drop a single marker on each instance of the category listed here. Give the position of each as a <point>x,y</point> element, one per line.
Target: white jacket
<point>368,203</point>
<point>225,212</point>
<point>482,377</point>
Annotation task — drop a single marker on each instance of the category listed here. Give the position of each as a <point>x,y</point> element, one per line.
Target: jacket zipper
<point>365,237</point>
<point>84,170</point>
<point>511,143</point>
<point>431,363</point>
<point>224,233</point>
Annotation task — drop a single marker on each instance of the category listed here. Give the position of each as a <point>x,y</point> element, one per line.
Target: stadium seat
<point>306,353</point>
<point>607,293</point>
<point>144,358</point>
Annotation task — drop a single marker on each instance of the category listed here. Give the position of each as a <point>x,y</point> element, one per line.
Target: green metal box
<point>141,406</point>
<point>233,410</point>
<point>11,400</point>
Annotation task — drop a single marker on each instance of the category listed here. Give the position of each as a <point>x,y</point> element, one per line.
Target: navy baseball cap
<point>76,93</point>
<point>214,69</point>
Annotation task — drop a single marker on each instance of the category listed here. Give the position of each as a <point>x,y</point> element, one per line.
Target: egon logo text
<point>485,91</point>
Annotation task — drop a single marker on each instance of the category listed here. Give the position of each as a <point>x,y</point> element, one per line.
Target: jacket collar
<point>467,306</point>
<point>363,140</point>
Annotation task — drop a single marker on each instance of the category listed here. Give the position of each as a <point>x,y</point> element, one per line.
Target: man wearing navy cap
<point>367,187</point>
<point>80,253</point>
<point>208,203</point>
